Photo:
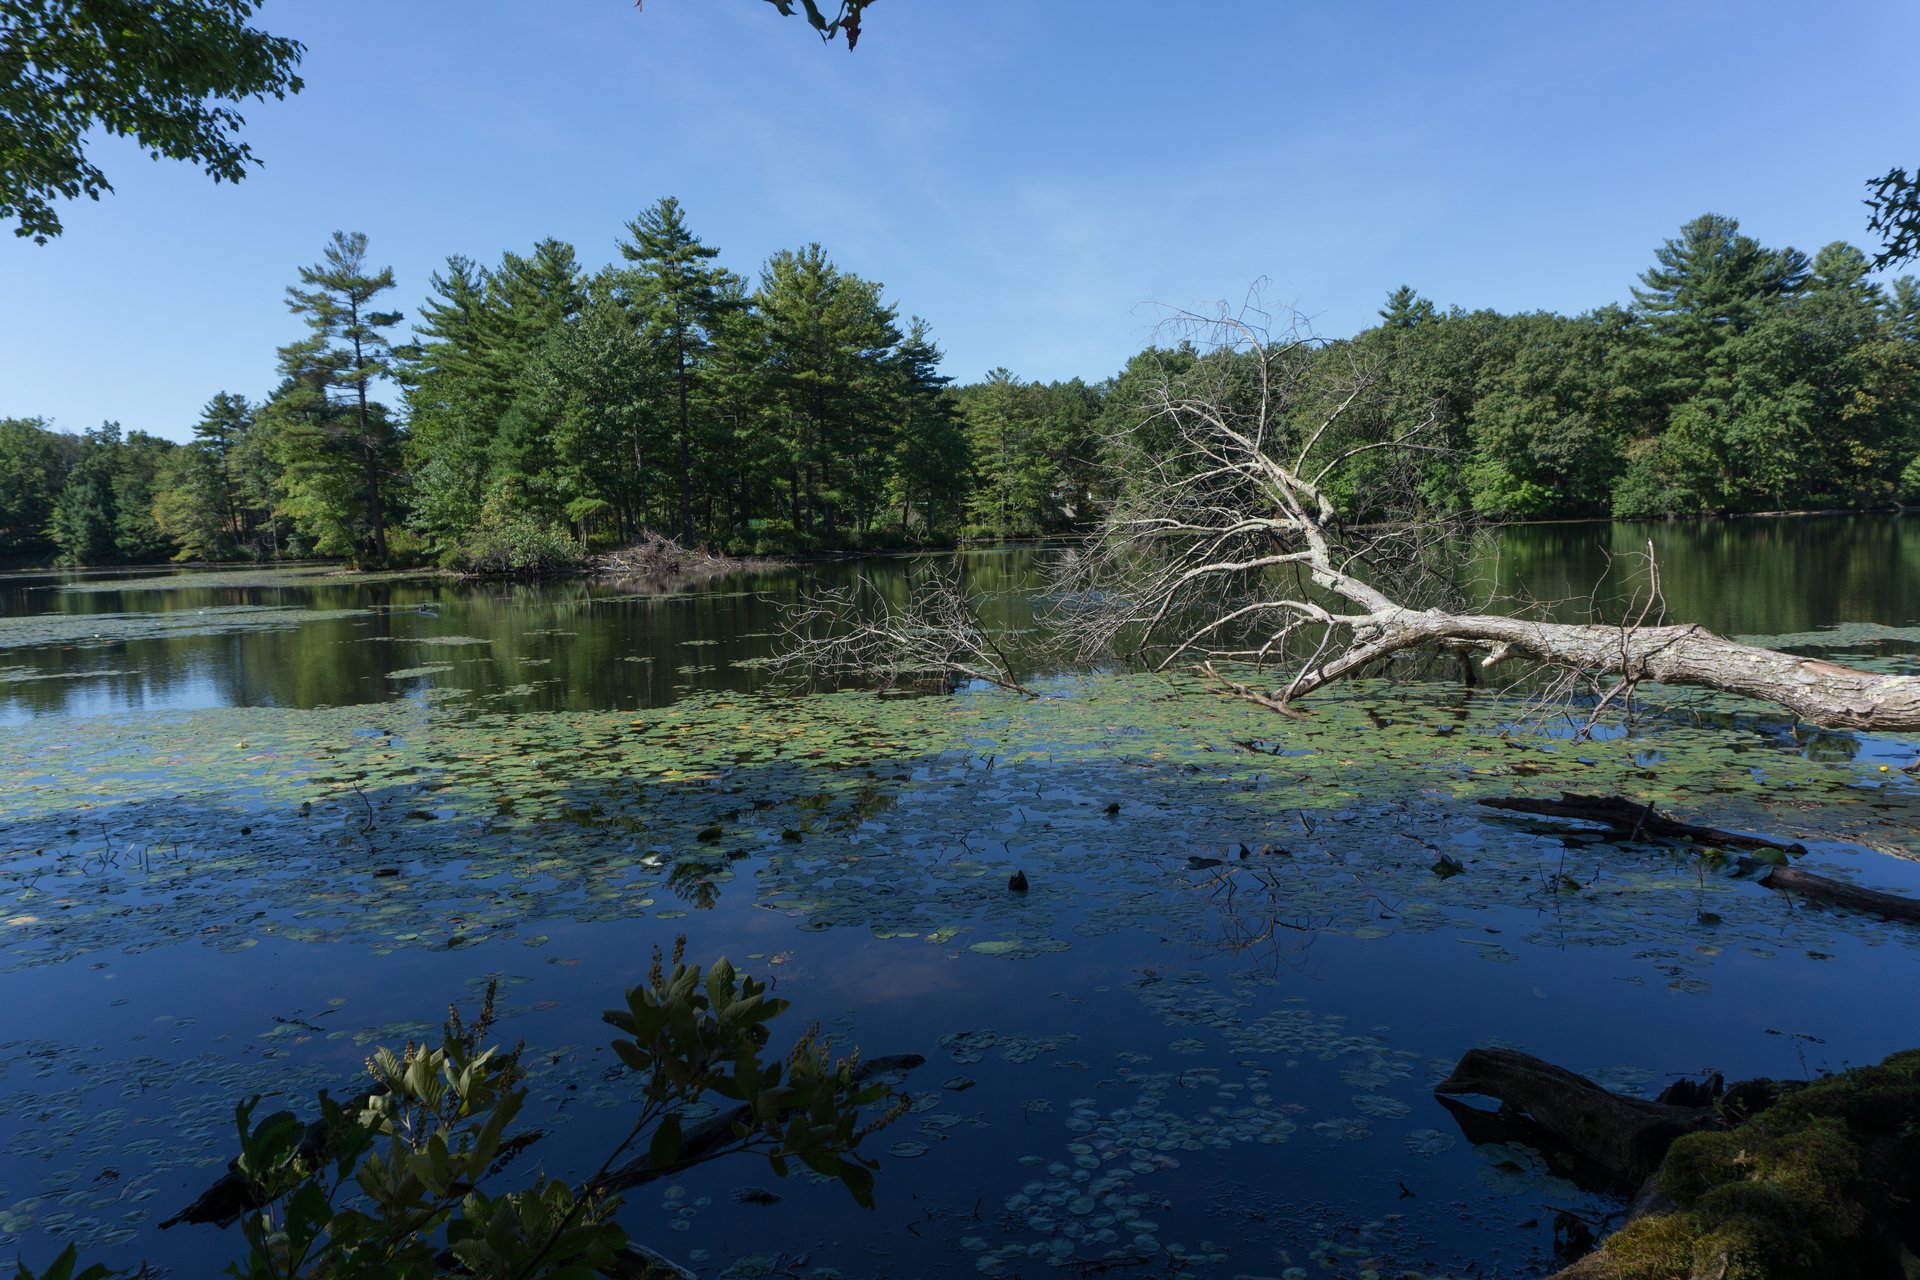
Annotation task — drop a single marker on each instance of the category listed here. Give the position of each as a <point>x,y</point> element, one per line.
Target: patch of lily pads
<point>92,629</point>
<point>1136,808</point>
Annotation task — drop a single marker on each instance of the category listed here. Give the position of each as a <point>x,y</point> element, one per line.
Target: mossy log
<point>1823,1183</point>
<point>1625,1136</point>
<point>1627,820</point>
<point>1838,893</point>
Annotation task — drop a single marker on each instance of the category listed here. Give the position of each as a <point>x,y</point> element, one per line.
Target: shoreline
<point>595,566</point>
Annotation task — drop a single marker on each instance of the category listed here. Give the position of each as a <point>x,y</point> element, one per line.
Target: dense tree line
<point>543,408</point>
<point>1738,379</point>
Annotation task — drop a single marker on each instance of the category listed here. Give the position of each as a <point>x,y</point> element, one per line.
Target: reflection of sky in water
<point>110,695</point>
<point>1232,1059</point>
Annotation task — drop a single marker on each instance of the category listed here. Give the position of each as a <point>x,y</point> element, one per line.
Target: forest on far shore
<point>544,410</point>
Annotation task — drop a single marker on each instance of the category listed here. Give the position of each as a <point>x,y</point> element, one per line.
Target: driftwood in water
<point>1626,1136</point>
<point>1626,820</point>
<point>1837,893</point>
<point>703,1139</point>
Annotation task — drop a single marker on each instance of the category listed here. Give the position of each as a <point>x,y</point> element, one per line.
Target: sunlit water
<point>255,822</point>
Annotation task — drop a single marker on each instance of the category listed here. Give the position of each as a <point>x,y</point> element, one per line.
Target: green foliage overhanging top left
<point>167,75</point>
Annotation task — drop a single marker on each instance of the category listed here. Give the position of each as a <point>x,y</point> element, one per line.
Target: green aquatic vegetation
<point>1092,1204</point>
<point>417,673</point>
<point>28,675</point>
<point>46,630</point>
<point>435,1123</point>
<point>449,642</point>
<point>1840,636</point>
<point>418,825</point>
<point>869,787</point>
<point>968,1047</point>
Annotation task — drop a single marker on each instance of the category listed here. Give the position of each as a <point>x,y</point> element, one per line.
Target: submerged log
<point>1626,1136</point>
<point>1630,821</point>
<point>1837,893</point>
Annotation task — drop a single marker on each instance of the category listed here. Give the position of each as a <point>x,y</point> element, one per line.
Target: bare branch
<point>1264,461</point>
<point>935,634</point>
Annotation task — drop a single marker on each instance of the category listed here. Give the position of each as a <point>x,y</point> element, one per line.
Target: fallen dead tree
<point>936,634</point>
<point>1226,551</point>
<point>1626,820</point>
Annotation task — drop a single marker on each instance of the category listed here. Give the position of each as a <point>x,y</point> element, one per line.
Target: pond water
<point>253,822</point>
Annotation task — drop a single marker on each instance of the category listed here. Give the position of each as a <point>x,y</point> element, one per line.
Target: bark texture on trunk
<point>1821,693</point>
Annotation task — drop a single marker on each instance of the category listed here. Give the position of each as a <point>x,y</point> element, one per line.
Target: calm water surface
<point>251,823</point>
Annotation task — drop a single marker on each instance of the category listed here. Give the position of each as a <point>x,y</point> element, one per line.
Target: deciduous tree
<point>169,76</point>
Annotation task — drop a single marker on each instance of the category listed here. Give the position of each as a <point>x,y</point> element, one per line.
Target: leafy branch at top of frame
<point>846,19</point>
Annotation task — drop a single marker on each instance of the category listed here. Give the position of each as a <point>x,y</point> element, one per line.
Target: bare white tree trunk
<point>1225,517</point>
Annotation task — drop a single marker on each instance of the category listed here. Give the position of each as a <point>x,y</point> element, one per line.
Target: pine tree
<point>481,335</point>
<point>827,335</point>
<point>676,293</point>
<point>930,459</point>
<point>223,423</point>
<point>1710,284</point>
<point>1405,309</point>
<point>345,352</point>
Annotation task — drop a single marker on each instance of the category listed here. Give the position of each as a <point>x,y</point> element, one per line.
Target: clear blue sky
<point>1032,176</point>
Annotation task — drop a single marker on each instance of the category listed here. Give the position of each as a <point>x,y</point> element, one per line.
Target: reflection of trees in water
<point>693,882</point>
<point>1736,577</point>
<point>581,644</point>
<point>1258,918</point>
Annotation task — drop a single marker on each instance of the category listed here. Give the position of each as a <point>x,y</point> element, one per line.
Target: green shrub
<point>388,1186</point>
<point>514,545</point>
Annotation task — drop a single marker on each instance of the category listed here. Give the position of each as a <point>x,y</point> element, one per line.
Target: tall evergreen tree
<point>827,334</point>
<point>677,294</point>
<point>1405,309</point>
<point>81,522</point>
<point>930,457</point>
<point>473,428</point>
<point>346,351</point>
<point>1708,285</point>
<point>223,424</point>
